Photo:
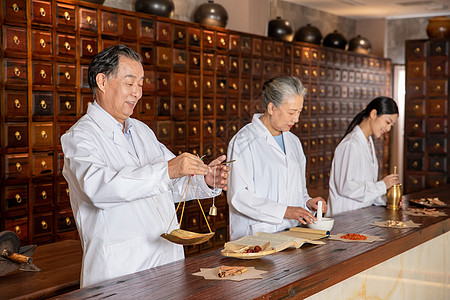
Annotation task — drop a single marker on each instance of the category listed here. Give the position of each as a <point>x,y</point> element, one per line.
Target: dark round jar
<point>212,14</point>
<point>335,40</point>
<point>360,44</point>
<point>308,34</point>
<point>280,29</point>
<point>163,8</point>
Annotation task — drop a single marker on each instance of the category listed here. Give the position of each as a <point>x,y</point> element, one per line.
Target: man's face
<point>120,93</point>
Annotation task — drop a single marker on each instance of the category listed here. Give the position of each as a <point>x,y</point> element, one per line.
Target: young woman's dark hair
<point>383,106</point>
<point>107,61</point>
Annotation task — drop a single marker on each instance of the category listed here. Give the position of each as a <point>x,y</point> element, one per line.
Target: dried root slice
<point>225,271</point>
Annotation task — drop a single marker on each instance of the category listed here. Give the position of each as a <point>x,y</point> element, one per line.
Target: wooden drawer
<point>222,40</point>
<point>415,163</point>
<point>43,224</point>
<point>194,107</point>
<point>63,194</point>
<point>41,12</point>
<point>146,107</point>
<point>147,54</point>
<point>221,64</point>
<point>15,71</point>
<point>438,88</point>
<point>245,88</point>
<point>163,32</point>
<point>415,183</point>
<point>15,10</point>
<point>163,130</point>
<point>43,195</point>
<point>222,216</point>
<point>89,47</point>
<point>221,129</point>
<point>194,130</point>
<point>437,163</point>
<point>85,100</point>
<point>208,150</point>
<point>194,37</point>
<point>65,221</point>
<point>109,43</point>
<point>84,80</point>
<point>234,43</point>
<point>438,67</point>
<point>66,75</point>
<point>67,105</point>
<point>65,16</point>
<point>16,199</point>
<point>233,108</point>
<point>439,47</point>
<point>163,82</point>
<point>128,30</point>
<point>234,65</point>
<point>209,39</point>
<point>222,85</point>
<point>208,130</point>
<point>179,131</point>
<point>437,125</point>
<point>246,69</point>
<point>20,227</point>
<point>436,180</point>
<point>149,81</point>
<point>415,108</point>
<point>163,57</point>
<point>16,166</point>
<point>14,39</point>
<point>437,144</point>
<point>208,86</point>
<point>109,23</point>
<point>41,43</point>
<point>179,86</point>
<point>42,134</point>
<point>179,108</point>
<point>208,62</point>
<point>16,104</point>
<point>221,149</point>
<point>233,127</point>
<point>257,67</point>
<point>66,45</point>
<point>179,35</point>
<point>163,106</point>
<point>221,107</point>
<point>16,135</point>
<point>42,163</point>
<point>415,145</point>
<point>42,73</point>
<point>147,30</point>
<point>88,19</point>
<point>43,104</point>
<point>179,59</point>
<point>208,107</point>
<point>194,84</point>
<point>194,61</point>
<point>437,107</point>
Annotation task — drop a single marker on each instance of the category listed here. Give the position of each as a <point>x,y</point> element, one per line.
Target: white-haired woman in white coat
<point>267,186</point>
<point>354,172</point>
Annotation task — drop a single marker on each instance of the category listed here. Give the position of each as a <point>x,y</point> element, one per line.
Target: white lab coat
<point>354,175</point>
<point>121,203</point>
<point>264,180</point>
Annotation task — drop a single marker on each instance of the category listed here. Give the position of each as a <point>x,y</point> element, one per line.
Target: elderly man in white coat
<point>267,185</point>
<point>123,182</point>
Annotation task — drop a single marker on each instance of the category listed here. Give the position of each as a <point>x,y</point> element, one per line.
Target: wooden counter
<point>60,265</point>
<point>292,272</point>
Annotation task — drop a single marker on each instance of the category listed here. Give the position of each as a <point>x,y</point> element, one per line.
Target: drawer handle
<point>234,43</point>
<point>67,75</point>
<point>147,106</point>
<point>209,62</point>
<point>313,125</point>
<point>305,125</point>
<point>164,32</point>
<point>44,195</point>
<point>416,145</point>
<point>194,107</point>
<point>246,87</point>
<point>416,107</point>
<point>42,11</point>
<point>438,49</point>
<point>147,81</point>
<point>321,159</point>
<point>209,129</point>
<point>246,108</point>
<point>16,40</point>
<point>180,83</point>
<point>209,107</point>
<point>164,131</point>
<point>314,73</point>
<point>415,164</point>
<point>209,39</point>
<point>147,29</point>
<point>437,146</point>
<point>17,228</point>
<point>194,221</point>
<point>246,66</point>
<point>221,128</point>
<point>257,86</point>
<point>44,225</point>
<point>110,23</point>
<point>234,107</point>
<point>164,81</point>
<point>180,35</point>
<point>194,151</point>
<point>208,152</point>
<point>195,60</point>
<point>67,105</point>
<point>18,167</point>
<point>313,143</point>
<point>15,7</point>
<point>43,74</point>
<point>42,43</point>
<point>43,104</point>
<point>313,177</point>
<point>437,164</point>
<point>222,85</point>
<point>235,64</point>
<point>195,83</point>
<point>257,65</point>
<point>233,128</point>
<point>17,135</point>
<point>180,58</point>
<point>321,125</point>
<point>17,103</point>
<point>180,131</point>
<point>222,41</point>
<point>222,107</point>
<point>208,84</point>
<point>438,68</point>
<point>222,62</point>
<point>18,198</point>
<point>89,48</point>
<point>129,26</point>
<point>180,107</point>
<point>67,16</point>
<point>16,71</point>
<point>195,37</point>
<point>89,19</point>
<point>416,125</point>
<point>67,191</point>
<point>438,106</point>
<point>43,164</point>
<point>194,130</point>
<point>438,88</point>
<point>68,221</point>
<point>147,55</point>
<point>166,106</point>
<point>221,215</point>
<point>67,46</point>
<point>437,126</point>
<point>415,181</point>
<point>164,57</point>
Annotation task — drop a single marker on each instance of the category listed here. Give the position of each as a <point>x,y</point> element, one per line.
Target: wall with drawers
<point>427,160</point>
<point>202,84</point>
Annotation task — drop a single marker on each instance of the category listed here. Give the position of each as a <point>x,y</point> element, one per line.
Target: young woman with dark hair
<point>354,171</point>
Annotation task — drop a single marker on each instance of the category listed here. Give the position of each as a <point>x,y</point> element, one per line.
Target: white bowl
<point>325,224</point>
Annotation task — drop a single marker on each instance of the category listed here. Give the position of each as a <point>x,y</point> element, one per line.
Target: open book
<point>294,238</point>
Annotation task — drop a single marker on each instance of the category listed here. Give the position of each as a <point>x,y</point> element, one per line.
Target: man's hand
<point>312,204</point>
<point>186,164</point>
<point>300,214</point>
<point>221,173</point>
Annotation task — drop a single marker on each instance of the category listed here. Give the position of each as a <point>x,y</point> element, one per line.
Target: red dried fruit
<point>257,248</point>
<point>249,250</point>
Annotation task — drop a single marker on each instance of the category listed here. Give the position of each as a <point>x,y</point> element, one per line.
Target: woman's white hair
<point>277,89</point>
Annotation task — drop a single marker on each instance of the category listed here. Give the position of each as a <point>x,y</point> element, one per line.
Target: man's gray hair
<point>277,89</point>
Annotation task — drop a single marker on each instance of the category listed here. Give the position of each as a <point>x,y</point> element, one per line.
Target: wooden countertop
<point>292,272</point>
<point>60,265</point>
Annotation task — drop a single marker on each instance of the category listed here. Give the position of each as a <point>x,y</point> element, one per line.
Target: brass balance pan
<point>184,237</point>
